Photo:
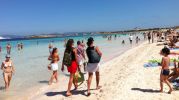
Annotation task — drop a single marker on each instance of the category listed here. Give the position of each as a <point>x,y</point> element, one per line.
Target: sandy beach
<point>122,78</point>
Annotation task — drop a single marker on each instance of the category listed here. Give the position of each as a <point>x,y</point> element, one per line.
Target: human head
<point>165,51</point>
<point>90,41</point>
<point>78,42</point>
<point>54,51</point>
<point>70,44</point>
<point>8,57</point>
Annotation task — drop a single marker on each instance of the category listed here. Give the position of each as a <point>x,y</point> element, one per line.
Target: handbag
<point>79,76</point>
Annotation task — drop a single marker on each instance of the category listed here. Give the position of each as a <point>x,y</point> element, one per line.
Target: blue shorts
<point>165,72</point>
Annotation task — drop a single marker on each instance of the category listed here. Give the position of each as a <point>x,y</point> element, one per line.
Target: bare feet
<point>56,81</point>
<point>99,87</point>
<point>169,92</point>
<point>49,83</point>
<point>76,87</point>
<point>161,91</point>
<point>68,94</point>
<point>88,94</point>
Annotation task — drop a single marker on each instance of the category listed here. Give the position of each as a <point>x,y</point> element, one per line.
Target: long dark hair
<point>54,50</point>
<point>69,44</point>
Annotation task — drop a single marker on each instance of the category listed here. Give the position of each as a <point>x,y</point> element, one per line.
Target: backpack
<point>93,56</point>
<point>67,59</point>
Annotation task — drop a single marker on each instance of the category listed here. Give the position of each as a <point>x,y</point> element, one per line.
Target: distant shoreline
<point>79,34</point>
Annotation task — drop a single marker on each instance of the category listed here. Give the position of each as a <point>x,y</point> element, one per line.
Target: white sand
<point>123,78</point>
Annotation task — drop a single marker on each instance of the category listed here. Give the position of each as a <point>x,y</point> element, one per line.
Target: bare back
<point>165,62</point>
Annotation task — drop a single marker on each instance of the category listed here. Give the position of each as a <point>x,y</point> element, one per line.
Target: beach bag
<point>79,76</point>
<point>93,56</point>
<point>67,59</point>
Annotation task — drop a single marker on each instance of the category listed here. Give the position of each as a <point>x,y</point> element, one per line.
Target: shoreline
<point>103,68</point>
<point>122,78</point>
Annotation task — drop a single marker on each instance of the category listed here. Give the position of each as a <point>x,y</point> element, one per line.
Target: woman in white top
<point>8,69</point>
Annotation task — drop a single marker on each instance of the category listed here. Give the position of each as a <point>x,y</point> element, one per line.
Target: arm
<point>98,51</point>
<point>83,54</point>
<point>13,69</point>
<point>175,53</point>
<point>50,57</point>
<point>162,63</point>
<point>62,68</point>
<point>2,66</point>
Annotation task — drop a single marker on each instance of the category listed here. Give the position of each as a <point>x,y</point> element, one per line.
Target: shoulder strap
<point>79,50</point>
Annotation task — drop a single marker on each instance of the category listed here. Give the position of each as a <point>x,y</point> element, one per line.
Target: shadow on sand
<point>2,88</point>
<point>74,92</point>
<point>146,90</point>
<point>44,81</point>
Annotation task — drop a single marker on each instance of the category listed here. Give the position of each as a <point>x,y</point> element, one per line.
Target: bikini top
<point>7,65</point>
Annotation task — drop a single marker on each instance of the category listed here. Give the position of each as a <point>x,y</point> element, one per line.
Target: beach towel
<point>176,84</point>
<point>151,65</point>
<point>157,62</point>
<point>160,60</point>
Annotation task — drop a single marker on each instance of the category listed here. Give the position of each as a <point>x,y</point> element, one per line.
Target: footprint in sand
<point>101,91</point>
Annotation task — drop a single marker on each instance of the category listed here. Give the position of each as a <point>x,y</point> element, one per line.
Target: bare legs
<point>90,80</point>
<point>97,81</point>
<point>161,83</point>
<point>90,76</point>
<point>71,80</point>
<point>54,76</point>
<point>7,80</point>
<point>165,79</point>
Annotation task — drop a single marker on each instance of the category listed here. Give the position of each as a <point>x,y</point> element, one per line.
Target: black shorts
<point>165,72</point>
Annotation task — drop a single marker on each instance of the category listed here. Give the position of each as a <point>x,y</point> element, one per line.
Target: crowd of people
<point>169,39</point>
<point>73,60</point>
<point>20,46</point>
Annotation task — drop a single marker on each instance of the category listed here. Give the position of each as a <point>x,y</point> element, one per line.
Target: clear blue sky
<point>38,16</point>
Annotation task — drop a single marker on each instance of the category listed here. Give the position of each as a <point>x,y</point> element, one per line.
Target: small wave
<point>2,38</point>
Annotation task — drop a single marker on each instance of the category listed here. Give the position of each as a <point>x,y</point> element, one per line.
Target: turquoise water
<point>31,63</point>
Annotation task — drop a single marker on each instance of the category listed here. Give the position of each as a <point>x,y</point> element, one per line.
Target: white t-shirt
<point>131,37</point>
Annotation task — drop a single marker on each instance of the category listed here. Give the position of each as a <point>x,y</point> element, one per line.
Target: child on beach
<point>165,69</point>
<point>54,58</point>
